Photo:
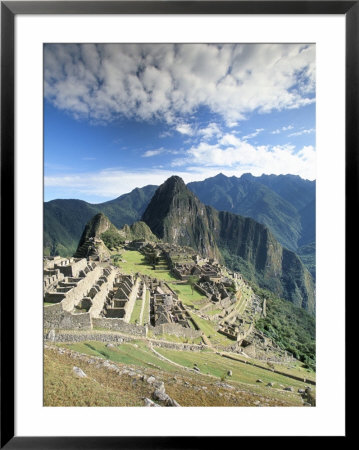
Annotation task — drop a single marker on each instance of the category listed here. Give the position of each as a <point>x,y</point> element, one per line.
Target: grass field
<point>135,262</point>
<point>189,297</point>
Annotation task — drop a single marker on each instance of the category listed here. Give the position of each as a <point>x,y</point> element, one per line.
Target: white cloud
<point>212,130</point>
<point>185,129</point>
<point>112,183</point>
<point>254,134</point>
<point>235,154</point>
<point>279,130</point>
<point>150,153</point>
<point>302,132</point>
<point>146,81</point>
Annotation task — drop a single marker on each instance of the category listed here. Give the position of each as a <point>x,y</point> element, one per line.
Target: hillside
<point>64,220</point>
<point>283,203</point>
<point>177,216</point>
<point>131,374</point>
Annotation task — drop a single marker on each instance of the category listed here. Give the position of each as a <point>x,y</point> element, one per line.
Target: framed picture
<point>169,172</point>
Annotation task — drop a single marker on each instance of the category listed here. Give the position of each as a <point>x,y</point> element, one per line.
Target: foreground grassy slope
<point>102,387</point>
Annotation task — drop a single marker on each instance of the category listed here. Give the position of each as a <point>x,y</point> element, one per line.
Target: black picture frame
<point>9,10</point>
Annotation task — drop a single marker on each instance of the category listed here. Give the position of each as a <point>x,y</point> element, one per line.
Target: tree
<point>192,280</point>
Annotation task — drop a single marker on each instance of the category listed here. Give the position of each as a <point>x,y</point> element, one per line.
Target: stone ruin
<point>78,290</point>
<point>121,297</point>
<point>215,291</point>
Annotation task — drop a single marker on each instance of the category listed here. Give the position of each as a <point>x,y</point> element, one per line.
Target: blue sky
<point>121,116</point>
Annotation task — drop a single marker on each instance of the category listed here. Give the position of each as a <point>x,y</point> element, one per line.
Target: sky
<point>120,116</point>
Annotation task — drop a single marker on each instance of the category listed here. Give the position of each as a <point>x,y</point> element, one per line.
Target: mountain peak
<point>177,216</point>
<point>173,182</point>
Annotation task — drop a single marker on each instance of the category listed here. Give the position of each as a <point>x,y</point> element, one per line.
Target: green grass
<point>136,312</point>
<point>209,329</point>
<point>146,308</point>
<point>218,366</point>
<point>135,262</point>
<point>189,298</point>
<point>124,353</point>
<point>213,312</point>
<point>173,338</point>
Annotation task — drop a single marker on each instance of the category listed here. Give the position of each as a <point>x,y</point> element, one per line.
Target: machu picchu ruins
<point>95,292</point>
<point>127,287</point>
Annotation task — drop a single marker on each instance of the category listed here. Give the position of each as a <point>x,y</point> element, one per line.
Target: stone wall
<point>131,300</point>
<point>177,346</point>
<point>119,325</point>
<point>176,330</point>
<point>73,297</point>
<point>99,299</point>
<point>74,268</point>
<point>55,317</point>
<point>73,337</point>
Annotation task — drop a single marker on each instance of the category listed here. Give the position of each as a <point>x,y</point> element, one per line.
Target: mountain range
<point>284,203</point>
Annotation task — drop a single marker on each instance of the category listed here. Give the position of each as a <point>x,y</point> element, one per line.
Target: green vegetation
<point>189,298</point>
<point>138,231</point>
<point>307,255</point>
<point>173,338</point>
<point>136,353</point>
<point>135,316</point>
<point>192,280</point>
<point>111,238</point>
<point>279,202</point>
<point>292,328</point>
<point>209,329</point>
<point>136,262</point>
<point>103,387</point>
<point>146,308</point>
<point>218,366</point>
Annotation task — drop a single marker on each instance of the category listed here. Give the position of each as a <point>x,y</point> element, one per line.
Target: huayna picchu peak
<point>175,215</point>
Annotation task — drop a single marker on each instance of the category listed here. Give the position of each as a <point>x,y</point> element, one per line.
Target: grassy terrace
<point>137,354</point>
<point>215,365</point>
<point>135,262</point>
<point>135,316</point>
<point>146,308</point>
<point>209,329</point>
